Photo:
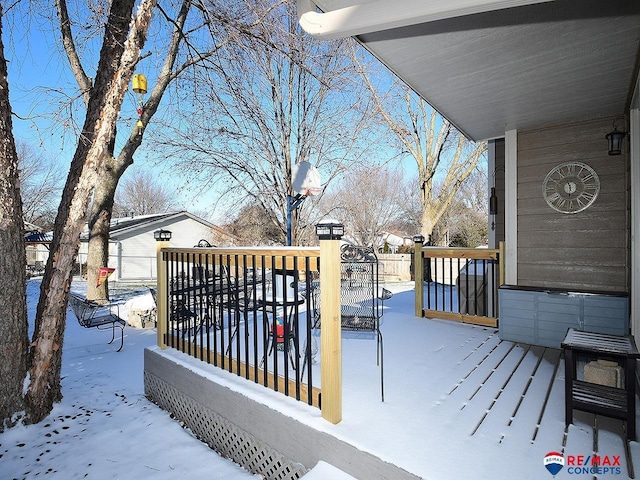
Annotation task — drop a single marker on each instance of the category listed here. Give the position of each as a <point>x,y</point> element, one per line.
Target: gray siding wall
<point>587,250</point>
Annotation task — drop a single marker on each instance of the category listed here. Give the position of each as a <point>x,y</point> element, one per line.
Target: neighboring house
<point>393,241</point>
<point>132,246</point>
<point>544,83</point>
<point>37,248</point>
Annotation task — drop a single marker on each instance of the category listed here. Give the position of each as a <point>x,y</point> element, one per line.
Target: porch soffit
<point>518,68</point>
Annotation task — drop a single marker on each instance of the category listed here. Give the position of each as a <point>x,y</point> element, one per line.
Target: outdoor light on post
<point>615,138</point>
<point>162,241</point>
<point>162,235</point>
<point>329,230</point>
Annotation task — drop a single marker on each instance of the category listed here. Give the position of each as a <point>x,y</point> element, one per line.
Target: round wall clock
<point>571,187</point>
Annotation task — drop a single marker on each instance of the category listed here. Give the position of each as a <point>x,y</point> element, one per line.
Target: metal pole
<point>289,210</point>
<point>292,204</point>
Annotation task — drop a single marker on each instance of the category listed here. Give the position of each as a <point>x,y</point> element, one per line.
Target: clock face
<point>571,187</point>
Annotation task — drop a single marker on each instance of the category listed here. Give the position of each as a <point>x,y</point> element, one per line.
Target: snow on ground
<point>105,428</point>
<point>451,393</point>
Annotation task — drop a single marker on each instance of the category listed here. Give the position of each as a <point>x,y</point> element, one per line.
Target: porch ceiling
<point>516,68</point>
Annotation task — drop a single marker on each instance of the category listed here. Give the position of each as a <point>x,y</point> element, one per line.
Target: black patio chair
<point>362,298</point>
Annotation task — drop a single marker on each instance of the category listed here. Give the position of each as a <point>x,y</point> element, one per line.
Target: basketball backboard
<point>306,179</point>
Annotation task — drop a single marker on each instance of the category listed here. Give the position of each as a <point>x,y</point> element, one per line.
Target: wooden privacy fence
<point>249,311</point>
<point>458,284</point>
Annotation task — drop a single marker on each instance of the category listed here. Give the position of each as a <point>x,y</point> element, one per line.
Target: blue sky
<point>41,86</point>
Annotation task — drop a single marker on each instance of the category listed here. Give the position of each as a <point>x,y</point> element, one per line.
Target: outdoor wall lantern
<point>615,138</point>
<point>162,235</point>
<point>493,197</point>
<point>493,202</point>
<point>329,230</point>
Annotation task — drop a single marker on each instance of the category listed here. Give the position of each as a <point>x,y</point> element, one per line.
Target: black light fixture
<point>162,235</point>
<point>418,238</point>
<point>493,202</point>
<point>493,197</point>
<point>615,138</point>
<point>329,230</point>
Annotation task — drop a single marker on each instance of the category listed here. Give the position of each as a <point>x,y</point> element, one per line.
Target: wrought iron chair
<point>361,296</point>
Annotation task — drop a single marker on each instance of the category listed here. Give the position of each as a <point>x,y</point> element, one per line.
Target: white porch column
<point>634,143</point>
<point>511,206</point>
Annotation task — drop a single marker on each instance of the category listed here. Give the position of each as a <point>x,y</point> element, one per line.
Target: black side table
<point>600,399</point>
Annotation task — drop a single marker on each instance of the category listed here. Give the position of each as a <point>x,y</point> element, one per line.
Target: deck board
<point>524,389</point>
<point>610,431</point>
<point>470,381</point>
<point>539,394</point>
<point>509,398</point>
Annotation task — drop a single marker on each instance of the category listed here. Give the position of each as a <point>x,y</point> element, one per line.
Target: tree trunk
<point>118,56</point>
<point>44,389</point>
<point>427,222</point>
<point>99,226</point>
<point>13,308</point>
<point>98,254</point>
<point>102,206</point>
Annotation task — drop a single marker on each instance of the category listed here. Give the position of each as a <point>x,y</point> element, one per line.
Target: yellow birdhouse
<point>139,83</point>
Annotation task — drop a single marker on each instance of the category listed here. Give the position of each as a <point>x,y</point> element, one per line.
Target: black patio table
<point>195,299</point>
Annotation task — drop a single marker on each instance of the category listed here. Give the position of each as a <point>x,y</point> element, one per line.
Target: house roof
<point>126,225</point>
<point>498,70</point>
<point>35,237</point>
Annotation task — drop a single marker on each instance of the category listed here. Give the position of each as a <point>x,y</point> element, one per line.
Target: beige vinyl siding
<point>138,256</point>
<point>138,253</point>
<point>587,250</point>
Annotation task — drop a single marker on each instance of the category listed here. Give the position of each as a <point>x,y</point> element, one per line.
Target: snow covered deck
<point>459,403</point>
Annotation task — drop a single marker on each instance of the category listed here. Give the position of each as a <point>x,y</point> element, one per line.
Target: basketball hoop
<point>306,180</point>
<point>310,192</point>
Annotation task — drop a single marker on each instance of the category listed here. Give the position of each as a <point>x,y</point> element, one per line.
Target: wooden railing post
<point>162,294</point>
<point>330,333</point>
<point>418,273</point>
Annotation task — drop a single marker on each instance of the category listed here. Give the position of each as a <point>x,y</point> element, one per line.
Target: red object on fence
<point>279,328</point>
<point>103,274</point>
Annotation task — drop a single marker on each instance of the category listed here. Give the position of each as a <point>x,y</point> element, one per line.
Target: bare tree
<point>143,194</point>
<point>13,307</point>
<point>443,156</point>
<point>464,224</point>
<point>116,164</point>
<point>411,208</point>
<point>40,185</point>
<point>184,48</point>
<point>274,98</point>
<point>125,33</point>
<point>368,201</point>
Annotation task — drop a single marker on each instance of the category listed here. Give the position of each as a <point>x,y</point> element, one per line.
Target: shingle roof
<point>32,237</point>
